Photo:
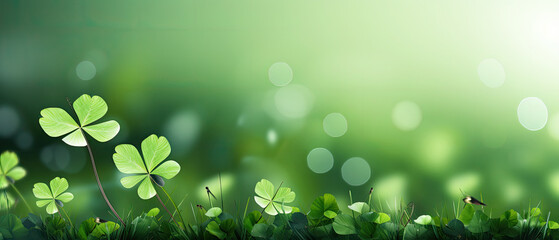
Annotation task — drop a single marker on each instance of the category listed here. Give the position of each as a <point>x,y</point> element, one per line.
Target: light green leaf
<point>41,191</point>
<point>65,197</point>
<point>284,195</point>
<point>553,225</point>
<point>423,220</point>
<point>103,132</point>
<point>153,212</point>
<point>127,159</point>
<point>321,204</point>
<point>261,201</point>
<point>89,109</point>
<point>214,229</point>
<point>8,160</point>
<point>168,169</point>
<point>16,173</point>
<point>213,212</point>
<point>51,208</point>
<point>131,181</point>
<point>146,190</point>
<point>278,207</point>
<point>155,150</point>
<point>56,122</point>
<point>6,201</point>
<point>330,214</point>
<point>58,186</point>
<point>264,189</point>
<point>42,203</point>
<point>344,225</point>
<point>359,207</point>
<point>104,229</point>
<point>4,182</point>
<point>75,139</point>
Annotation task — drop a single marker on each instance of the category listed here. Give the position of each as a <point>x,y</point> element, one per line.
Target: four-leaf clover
<point>273,203</point>
<point>57,122</point>
<point>9,171</point>
<point>53,196</point>
<point>152,168</point>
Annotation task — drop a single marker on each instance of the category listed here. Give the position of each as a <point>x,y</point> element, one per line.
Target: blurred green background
<point>430,96</point>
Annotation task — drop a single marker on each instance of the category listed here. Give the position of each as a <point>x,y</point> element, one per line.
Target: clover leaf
<point>6,200</point>
<point>273,202</point>
<point>57,122</point>
<point>53,196</point>
<point>147,169</point>
<point>9,171</point>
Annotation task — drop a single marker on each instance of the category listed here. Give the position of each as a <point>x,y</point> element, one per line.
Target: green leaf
<point>127,159</point>
<point>344,225</point>
<point>251,218</point>
<point>417,232</point>
<point>376,217</point>
<point>146,190</point>
<point>553,225</point>
<point>86,227</point>
<point>262,230</point>
<point>479,222</point>
<point>12,228</point>
<point>153,212</point>
<point>213,212</point>
<point>75,139</point>
<point>51,208</point>
<point>228,225</point>
<point>324,203</point>
<point>359,207</point>
<point>509,218</point>
<point>423,220</point>
<point>58,186</point>
<point>16,173</point>
<point>155,150</point>
<point>6,201</point>
<point>168,169</point>
<point>330,214</point>
<point>104,229</point>
<point>8,160</point>
<point>89,109</point>
<point>103,132</point>
<point>56,122</point>
<point>131,181</point>
<point>214,229</point>
<point>454,228</point>
<point>466,214</point>
<point>284,195</point>
<point>535,212</point>
<point>41,191</point>
<point>65,197</point>
<point>264,189</point>
<point>42,203</point>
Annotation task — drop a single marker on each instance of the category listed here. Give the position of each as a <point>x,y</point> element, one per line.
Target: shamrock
<point>57,122</point>
<point>53,196</point>
<point>273,202</point>
<point>9,173</point>
<point>152,168</point>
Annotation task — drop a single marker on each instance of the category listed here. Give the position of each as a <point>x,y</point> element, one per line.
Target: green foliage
<point>9,171</point>
<point>57,122</point>
<point>53,196</point>
<point>323,209</point>
<point>152,167</point>
<point>273,201</point>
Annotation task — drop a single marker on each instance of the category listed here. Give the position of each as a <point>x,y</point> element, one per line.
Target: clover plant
<point>272,201</point>
<point>57,122</point>
<point>10,172</point>
<point>53,197</point>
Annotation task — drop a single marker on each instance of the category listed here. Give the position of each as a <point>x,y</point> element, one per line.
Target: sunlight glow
<point>532,113</point>
<point>406,115</point>
<point>491,73</point>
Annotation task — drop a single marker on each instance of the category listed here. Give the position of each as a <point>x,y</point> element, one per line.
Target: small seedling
<point>10,172</point>
<point>55,197</point>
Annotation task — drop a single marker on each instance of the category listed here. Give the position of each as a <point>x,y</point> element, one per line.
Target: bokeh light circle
<point>356,171</point>
<point>320,160</point>
<point>335,124</point>
<point>293,101</point>
<point>491,73</point>
<point>280,74</point>
<point>532,113</point>
<point>9,121</point>
<point>86,70</point>
<point>272,136</point>
<point>182,130</point>
<point>406,115</point>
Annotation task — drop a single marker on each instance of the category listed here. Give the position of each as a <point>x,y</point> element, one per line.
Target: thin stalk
<point>220,190</point>
<point>64,211</point>
<point>22,198</point>
<point>95,170</point>
<point>174,205</point>
<point>165,207</point>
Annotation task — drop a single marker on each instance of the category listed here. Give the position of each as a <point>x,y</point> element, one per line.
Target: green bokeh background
<point>205,65</point>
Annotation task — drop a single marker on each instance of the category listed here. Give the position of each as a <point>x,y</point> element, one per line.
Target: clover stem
<point>271,201</point>
<point>22,198</point>
<point>64,211</point>
<point>174,205</point>
<point>95,170</point>
<point>163,204</point>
